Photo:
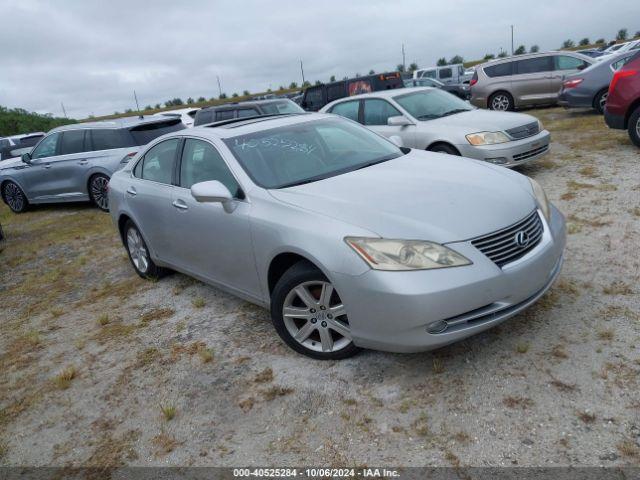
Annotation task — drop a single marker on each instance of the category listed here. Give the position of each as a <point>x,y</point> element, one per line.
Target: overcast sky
<point>91,55</point>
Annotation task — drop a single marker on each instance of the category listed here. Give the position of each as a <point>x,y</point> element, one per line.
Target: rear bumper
<point>573,98</point>
<point>392,310</point>
<point>510,154</point>
<point>614,121</point>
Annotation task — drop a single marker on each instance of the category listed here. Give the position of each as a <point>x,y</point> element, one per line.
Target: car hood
<point>481,121</point>
<point>12,163</point>
<point>421,195</point>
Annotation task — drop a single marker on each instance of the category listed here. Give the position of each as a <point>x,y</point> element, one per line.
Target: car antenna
<point>140,116</point>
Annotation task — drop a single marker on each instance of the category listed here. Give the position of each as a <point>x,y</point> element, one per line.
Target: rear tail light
<point>128,157</point>
<point>618,75</point>
<point>572,83</point>
<point>474,79</point>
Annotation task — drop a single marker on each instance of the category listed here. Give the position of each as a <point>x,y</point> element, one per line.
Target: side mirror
<point>399,121</point>
<point>211,191</point>
<point>26,158</point>
<point>396,140</point>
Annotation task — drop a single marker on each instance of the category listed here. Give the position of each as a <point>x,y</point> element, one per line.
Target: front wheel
<point>139,253</point>
<point>14,197</point>
<point>634,127</point>
<point>501,101</point>
<point>99,191</point>
<point>309,315</point>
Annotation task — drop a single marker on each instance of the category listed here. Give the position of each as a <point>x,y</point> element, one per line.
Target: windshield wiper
<point>453,112</point>
<point>426,117</point>
<point>375,162</point>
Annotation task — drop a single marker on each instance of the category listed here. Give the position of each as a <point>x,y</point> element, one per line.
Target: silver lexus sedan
<point>435,120</point>
<point>349,240</point>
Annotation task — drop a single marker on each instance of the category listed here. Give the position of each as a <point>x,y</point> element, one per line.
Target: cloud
<point>92,55</point>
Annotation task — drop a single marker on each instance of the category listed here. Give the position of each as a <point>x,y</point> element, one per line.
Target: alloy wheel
<point>638,128</point>
<point>137,250</point>
<point>100,192</point>
<point>500,102</point>
<point>316,318</point>
<point>603,100</point>
<point>14,197</point>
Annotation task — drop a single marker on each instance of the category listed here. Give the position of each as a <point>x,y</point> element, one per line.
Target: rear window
<point>143,134</point>
<point>203,116</point>
<point>313,97</point>
<point>224,115</point>
<point>285,106</point>
<point>500,70</point>
<point>247,112</point>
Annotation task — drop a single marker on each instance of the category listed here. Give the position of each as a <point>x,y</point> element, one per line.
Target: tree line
<point>14,121</point>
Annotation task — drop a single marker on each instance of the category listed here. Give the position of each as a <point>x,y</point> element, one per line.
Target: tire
<point>99,191</point>
<point>139,253</point>
<point>600,100</point>
<point>309,316</point>
<point>14,197</point>
<point>634,127</point>
<point>444,148</point>
<point>501,101</point>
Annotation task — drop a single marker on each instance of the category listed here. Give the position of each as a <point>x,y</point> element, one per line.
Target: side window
<point>224,115</point>
<point>565,62</point>
<point>335,92</point>
<point>72,142</point>
<point>137,170</point>
<point>347,109</point>
<point>460,70</point>
<point>47,147</point>
<point>620,63</point>
<point>202,162</point>
<point>429,74</point>
<point>376,112</point>
<point>533,65</point>
<point>158,162</point>
<point>107,139</point>
<point>313,97</point>
<point>500,70</point>
<point>247,112</point>
<point>446,73</point>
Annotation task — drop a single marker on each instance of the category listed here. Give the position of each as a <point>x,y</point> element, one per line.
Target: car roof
<point>384,93</point>
<point>497,61</point>
<point>116,123</point>
<point>243,126</point>
<point>247,103</point>
<point>178,111</point>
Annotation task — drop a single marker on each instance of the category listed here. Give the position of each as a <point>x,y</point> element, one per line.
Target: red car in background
<point>622,110</point>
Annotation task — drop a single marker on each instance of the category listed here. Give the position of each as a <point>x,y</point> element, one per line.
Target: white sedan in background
<point>187,115</point>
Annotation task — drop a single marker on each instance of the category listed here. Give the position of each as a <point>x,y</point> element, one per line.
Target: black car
<point>16,145</point>
<point>460,90</point>
<point>317,96</point>
<point>230,111</point>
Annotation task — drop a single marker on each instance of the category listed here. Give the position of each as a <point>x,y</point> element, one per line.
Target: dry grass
<point>168,411</point>
<point>164,443</point>
<point>589,171</point>
<point>421,425</point>
<point>198,302</point>
<point>522,347</point>
<point>562,386</point>
<point>586,416</point>
<point>275,391</point>
<point>246,404</point>
<point>156,314</point>
<point>517,402</point>
<point>147,357</point>
<point>606,334</point>
<point>264,376</point>
<point>558,351</point>
<point>64,378</point>
<point>438,366</point>
<point>103,319</point>
<point>618,287</point>
<point>629,449</point>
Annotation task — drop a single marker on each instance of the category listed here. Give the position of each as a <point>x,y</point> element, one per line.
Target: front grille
<point>530,153</point>
<point>524,131</point>
<point>502,247</point>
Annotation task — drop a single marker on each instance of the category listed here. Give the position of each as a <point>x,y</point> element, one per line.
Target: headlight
<point>541,197</point>
<point>383,254</point>
<point>487,138</point>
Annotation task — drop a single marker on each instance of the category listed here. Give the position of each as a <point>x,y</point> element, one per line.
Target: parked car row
<point>340,233</point>
<point>229,111</point>
<point>460,90</point>
<point>16,145</point>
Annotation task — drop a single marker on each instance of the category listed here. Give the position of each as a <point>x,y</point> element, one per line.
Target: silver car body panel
<point>421,195</point>
<point>453,129</point>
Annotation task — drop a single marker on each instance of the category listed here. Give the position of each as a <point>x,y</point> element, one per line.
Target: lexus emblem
<point>521,239</point>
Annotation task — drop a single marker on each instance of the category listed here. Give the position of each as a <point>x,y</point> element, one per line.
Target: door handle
<point>132,191</point>
<point>83,162</point>
<point>180,204</point>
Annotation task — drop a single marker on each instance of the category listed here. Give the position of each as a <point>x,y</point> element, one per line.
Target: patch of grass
<point>32,338</point>
<point>168,411</point>
<point>567,196</point>
<point>421,425</point>
<point>165,443</point>
<point>180,326</point>
<point>628,449</point>
<point>156,314</point>
<point>64,378</point>
<point>276,391</point>
<point>438,366</point>
<point>558,351</point>
<point>462,437</point>
<point>517,402</point>
<point>147,356</point>
<point>589,171</point>
<point>246,404</point>
<point>103,319</point>
<point>635,211</point>
<point>198,302</point>
<point>206,355</point>
<point>350,401</point>
<point>522,347</point>
<point>562,386</point>
<point>56,312</point>
<point>573,228</point>
<point>606,334</point>
<point>618,287</point>
<point>264,376</point>
<point>586,417</point>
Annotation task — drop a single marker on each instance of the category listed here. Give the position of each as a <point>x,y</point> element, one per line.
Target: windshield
<point>430,104</point>
<point>285,106</point>
<point>310,151</point>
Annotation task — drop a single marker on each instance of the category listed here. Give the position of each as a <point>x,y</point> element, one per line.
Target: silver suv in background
<point>446,74</point>
<point>525,80</point>
<point>75,162</point>
<point>16,145</point>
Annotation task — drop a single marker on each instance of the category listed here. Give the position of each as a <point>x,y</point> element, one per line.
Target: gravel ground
<point>99,368</point>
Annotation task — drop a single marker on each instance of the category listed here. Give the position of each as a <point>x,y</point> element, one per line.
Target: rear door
<point>148,195</point>
<point>70,167</point>
<point>531,80</point>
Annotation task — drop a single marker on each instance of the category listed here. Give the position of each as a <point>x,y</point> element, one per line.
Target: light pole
<point>404,66</point>
<point>302,71</point>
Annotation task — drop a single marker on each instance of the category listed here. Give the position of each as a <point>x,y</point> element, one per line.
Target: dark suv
<point>316,97</point>
<point>230,111</point>
<point>622,110</point>
<point>16,145</point>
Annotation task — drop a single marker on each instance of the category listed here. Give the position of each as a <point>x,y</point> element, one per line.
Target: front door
<point>375,114</point>
<point>37,179</point>
<point>212,240</point>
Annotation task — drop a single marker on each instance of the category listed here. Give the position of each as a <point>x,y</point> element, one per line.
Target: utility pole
<point>512,40</point>
<point>219,87</point>
<point>63,110</point>
<point>302,71</point>
<point>137,104</point>
<point>404,66</point>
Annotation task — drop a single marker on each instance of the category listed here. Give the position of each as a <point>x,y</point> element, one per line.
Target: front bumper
<point>392,311</point>
<point>510,154</point>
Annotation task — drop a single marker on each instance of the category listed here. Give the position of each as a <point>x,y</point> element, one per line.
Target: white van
<point>446,74</point>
